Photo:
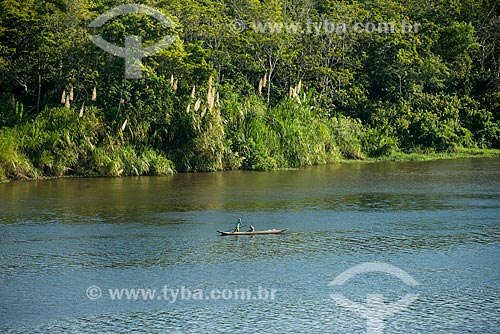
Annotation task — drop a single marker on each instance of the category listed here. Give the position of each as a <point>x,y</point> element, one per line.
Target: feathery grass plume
<point>209,84</point>
<point>264,80</point>
<point>197,105</point>
<point>290,93</point>
<point>217,98</point>
<point>81,110</point>
<point>124,125</point>
<point>297,88</point>
<point>193,91</point>
<point>71,94</point>
<point>204,111</point>
<point>211,99</point>
<point>174,87</point>
<point>172,79</point>
<point>63,97</point>
<point>188,108</point>
<point>94,94</point>
<point>260,86</point>
<point>67,105</point>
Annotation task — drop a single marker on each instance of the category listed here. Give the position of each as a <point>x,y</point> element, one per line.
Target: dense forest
<point>246,84</point>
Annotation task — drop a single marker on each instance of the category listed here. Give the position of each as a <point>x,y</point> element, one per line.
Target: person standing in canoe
<point>237,225</point>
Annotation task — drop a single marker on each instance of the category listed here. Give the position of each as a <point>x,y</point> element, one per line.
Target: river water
<point>381,232</point>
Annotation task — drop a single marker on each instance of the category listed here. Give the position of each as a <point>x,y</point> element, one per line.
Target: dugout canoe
<point>273,231</point>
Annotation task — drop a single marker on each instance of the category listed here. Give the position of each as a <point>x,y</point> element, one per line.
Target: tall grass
<point>14,164</point>
<point>286,135</point>
<point>60,142</point>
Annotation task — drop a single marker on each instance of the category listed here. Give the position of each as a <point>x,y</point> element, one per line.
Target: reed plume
<point>67,105</point>
<point>197,105</point>
<point>193,91</point>
<point>209,83</point>
<point>81,110</point>
<point>94,94</point>
<point>63,97</point>
<point>71,94</point>
<point>211,98</point>
<point>297,88</point>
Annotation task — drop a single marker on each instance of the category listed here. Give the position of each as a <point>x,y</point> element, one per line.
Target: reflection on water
<point>436,220</point>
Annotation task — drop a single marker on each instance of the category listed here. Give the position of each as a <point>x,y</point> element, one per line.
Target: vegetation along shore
<point>225,97</point>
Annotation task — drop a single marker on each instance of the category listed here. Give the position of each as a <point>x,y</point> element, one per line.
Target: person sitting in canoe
<point>237,226</point>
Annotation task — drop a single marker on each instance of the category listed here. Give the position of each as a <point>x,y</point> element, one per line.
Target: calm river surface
<point>65,243</point>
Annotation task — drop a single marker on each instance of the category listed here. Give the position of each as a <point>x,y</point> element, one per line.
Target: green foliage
<point>13,163</point>
<point>59,142</point>
<point>377,143</point>
<point>287,135</point>
<point>113,160</point>
<point>361,95</point>
<point>348,135</point>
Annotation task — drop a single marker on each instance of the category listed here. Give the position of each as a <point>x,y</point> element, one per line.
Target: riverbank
<point>460,153</point>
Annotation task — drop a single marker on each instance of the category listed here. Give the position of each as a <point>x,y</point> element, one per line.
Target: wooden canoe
<point>273,231</point>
